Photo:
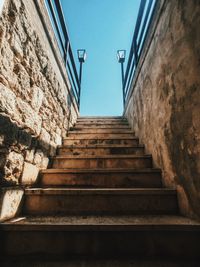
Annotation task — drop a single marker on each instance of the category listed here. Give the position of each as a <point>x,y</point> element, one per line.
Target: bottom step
<point>101,236</point>
<point>101,263</point>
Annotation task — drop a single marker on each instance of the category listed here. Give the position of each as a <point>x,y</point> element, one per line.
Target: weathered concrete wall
<point>164,107</point>
<point>36,108</point>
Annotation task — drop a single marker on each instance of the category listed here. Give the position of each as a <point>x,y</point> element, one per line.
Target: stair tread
<point>101,146</point>
<point>116,156</point>
<point>103,137</point>
<point>101,116</point>
<point>108,131</point>
<point>86,191</point>
<point>57,170</point>
<point>89,126</point>
<point>102,119</point>
<point>101,123</point>
<point>95,222</point>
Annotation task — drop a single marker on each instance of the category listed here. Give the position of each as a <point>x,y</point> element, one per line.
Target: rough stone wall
<point>164,108</point>
<point>36,109</point>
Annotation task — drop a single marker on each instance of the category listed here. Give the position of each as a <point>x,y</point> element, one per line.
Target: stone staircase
<point>102,198</point>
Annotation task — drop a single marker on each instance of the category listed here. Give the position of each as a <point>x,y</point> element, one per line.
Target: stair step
<point>146,237</point>
<point>104,130</point>
<point>102,117</point>
<point>103,222</point>
<point>109,161</point>
<point>104,201</point>
<point>83,135</point>
<point>107,121</point>
<point>101,150</point>
<point>100,141</point>
<point>101,178</point>
<point>102,126</point>
<point>102,123</point>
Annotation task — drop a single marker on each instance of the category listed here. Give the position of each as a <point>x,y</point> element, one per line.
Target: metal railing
<point>58,23</point>
<point>145,14</point>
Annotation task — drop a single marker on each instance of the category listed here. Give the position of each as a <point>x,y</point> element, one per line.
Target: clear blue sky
<point>101,27</point>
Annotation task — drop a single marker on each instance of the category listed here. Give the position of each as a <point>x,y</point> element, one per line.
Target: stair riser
<point>133,142</point>
<point>101,117</point>
<point>99,135</point>
<point>99,204</point>
<point>101,126</point>
<point>148,180</point>
<point>101,151</point>
<point>152,244</point>
<point>105,121</point>
<point>102,163</point>
<point>101,131</point>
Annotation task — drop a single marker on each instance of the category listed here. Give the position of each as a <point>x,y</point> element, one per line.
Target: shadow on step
<point>99,263</point>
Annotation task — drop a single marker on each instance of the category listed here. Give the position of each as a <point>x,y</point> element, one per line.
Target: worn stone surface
<point>14,165</point>
<point>30,174</point>
<point>103,263</point>
<point>10,200</point>
<point>35,107</point>
<point>165,105</point>
<point>7,100</point>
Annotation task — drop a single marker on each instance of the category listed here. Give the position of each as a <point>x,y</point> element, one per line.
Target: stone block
<point>53,148</point>
<point>58,139</point>
<point>24,88</point>
<point>10,203</point>
<point>17,46</point>
<point>30,174</point>
<point>44,163</point>
<point>37,98</point>
<point>39,155</point>
<point>29,155</point>
<point>29,117</point>
<point>15,5</point>
<point>24,139</point>
<point>3,80</point>
<point>44,139</point>
<point>13,166</point>
<point>2,159</point>
<point>7,100</point>
<point>7,57</point>
<point>8,131</point>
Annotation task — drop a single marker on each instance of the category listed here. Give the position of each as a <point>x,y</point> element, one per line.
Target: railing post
<point>80,78</point>
<point>80,72</point>
<point>121,59</point>
<point>123,89</point>
<point>81,58</point>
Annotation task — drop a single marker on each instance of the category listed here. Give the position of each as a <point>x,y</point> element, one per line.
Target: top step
<point>109,123</point>
<point>101,121</point>
<point>101,117</point>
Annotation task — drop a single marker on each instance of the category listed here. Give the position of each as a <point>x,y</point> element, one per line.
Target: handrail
<point>58,23</point>
<point>145,15</point>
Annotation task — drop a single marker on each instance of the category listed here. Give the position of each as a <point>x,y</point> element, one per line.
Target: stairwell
<point>101,198</point>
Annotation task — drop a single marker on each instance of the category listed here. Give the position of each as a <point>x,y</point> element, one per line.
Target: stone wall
<point>36,107</point>
<point>164,104</point>
<point>1,5</point>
